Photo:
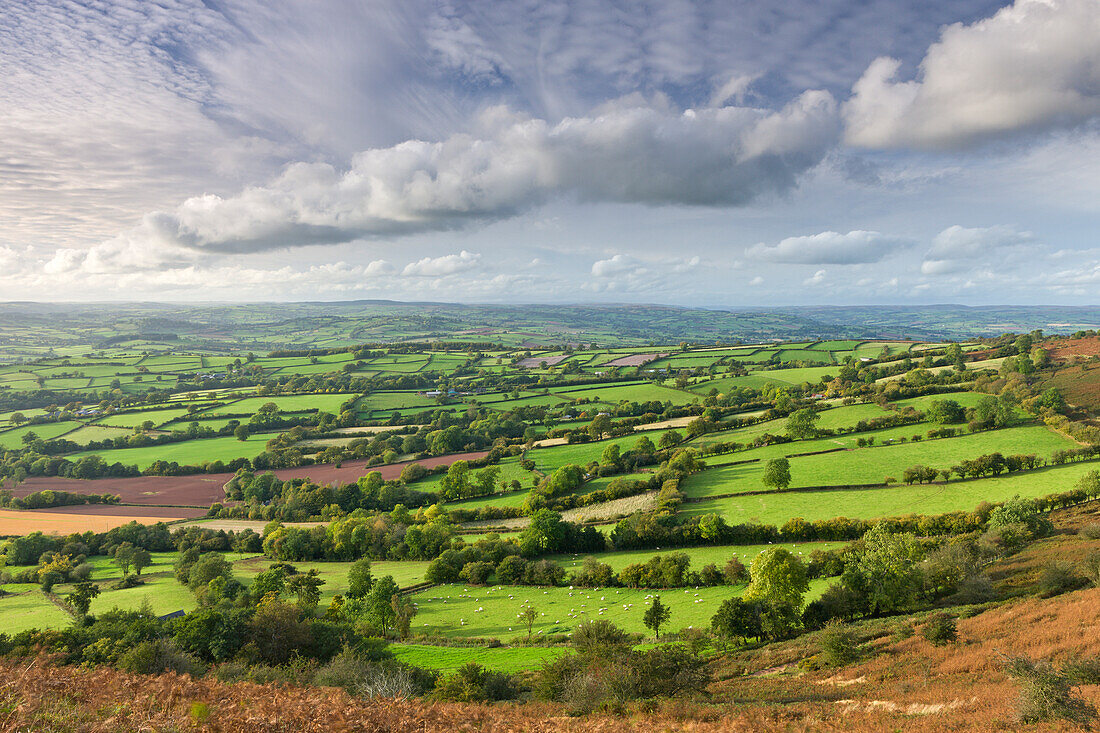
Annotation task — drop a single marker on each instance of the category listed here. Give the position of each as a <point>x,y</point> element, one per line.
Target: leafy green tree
<point>737,619</point>
<point>124,557</point>
<point>777,474</point>
<point>241,432</point>
<point>140,558</point>
<point>307,588</point>
<point>599,427</point>
<point>886,572</point>
<point>379,604</point>
<point>456,484</point>
<point>544,534</point>
<point>803,423</point>
<point>945,412</point>
<point>656,616</point>
<point>81,597</point>
<point>403,612</point>
<point>359,578</point>
<point>669,438</point>
<point>611,456</point>
<point>777,576</point>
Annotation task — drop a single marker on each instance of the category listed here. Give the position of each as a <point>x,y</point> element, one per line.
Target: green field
<point>470,611</point>
<point>448,659</point>
<point>777,508</point>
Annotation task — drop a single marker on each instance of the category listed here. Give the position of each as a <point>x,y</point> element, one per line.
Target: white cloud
<point>1032,66</point>
<point>816,279</point>
<point>958,248</point>
<point>831,248</point>
<point>631,154</point>
<point>442,266</point>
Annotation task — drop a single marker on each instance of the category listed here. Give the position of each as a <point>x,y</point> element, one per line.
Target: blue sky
<point>697,153</point>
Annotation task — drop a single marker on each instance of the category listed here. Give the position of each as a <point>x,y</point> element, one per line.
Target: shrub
<point>1046,694</point>
<point>473,683</point>
<point>1090,567</point>
<point>1058,577</point>
<point>839,645</point>
<point>940,629</point>
<point>1083,671</point>
<point>1091,531</point>
<point>160,655</point>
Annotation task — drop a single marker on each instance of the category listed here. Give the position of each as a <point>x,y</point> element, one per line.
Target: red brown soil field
<point>535,361</point>
<point>633,360</point>
<point>204,489</point>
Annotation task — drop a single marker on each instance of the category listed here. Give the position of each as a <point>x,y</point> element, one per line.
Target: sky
<point>716,154</point>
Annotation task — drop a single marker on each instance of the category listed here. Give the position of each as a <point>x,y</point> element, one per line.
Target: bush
<point>1046,694</point>
<point>1091,531</point>
<point>473,683</point>
<point>1083,671</point>
<point>839,645</point>
<point>1058,577</point>
<point>155,657</point>
<point>940,629</point>
<point>1090,567</point>
<point>973,589</point>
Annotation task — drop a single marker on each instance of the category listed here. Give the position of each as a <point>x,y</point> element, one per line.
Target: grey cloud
<point>632,154</point>
<point>831,248</point>
<point>959,249</point>
<point>1033,66</point>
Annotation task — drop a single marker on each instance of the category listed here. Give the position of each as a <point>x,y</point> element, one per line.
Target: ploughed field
<point>203,489</point>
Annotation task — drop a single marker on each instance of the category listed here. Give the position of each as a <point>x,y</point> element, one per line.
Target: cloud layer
<point>831,248</point>
<point>1032,66</point>
<point>631,153</point>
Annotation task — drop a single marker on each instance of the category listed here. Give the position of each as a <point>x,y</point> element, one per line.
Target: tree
<point>241,432</point>
<point>359,578</point>
<point>945,412</point>
<point>668,439</point>
<point>656,616</point>
<point>612,456</point>
<point>527,617</point>
<point>737,619</point>
<point>777,474</point>
<point>544,534</point>
<point>124,557</point>
<point>379,603</point>
<point>307,588</point>
<point>81,597</point>
<point>456,484</point>
<point>886,573</point>
<point>403,612</point>
<point>600,426</point>
<point>778,577</point>
<point>140,558</point>
<point>803,423</point>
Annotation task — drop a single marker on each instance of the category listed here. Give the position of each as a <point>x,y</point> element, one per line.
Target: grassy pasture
<point>131,419</point>
<point>28,608</point>
<point>867,465</point>
<point>188,452</point>
<point>13,438</point>
<point>448,659</point>
<point>890,501</point>
<point>453,609</point>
